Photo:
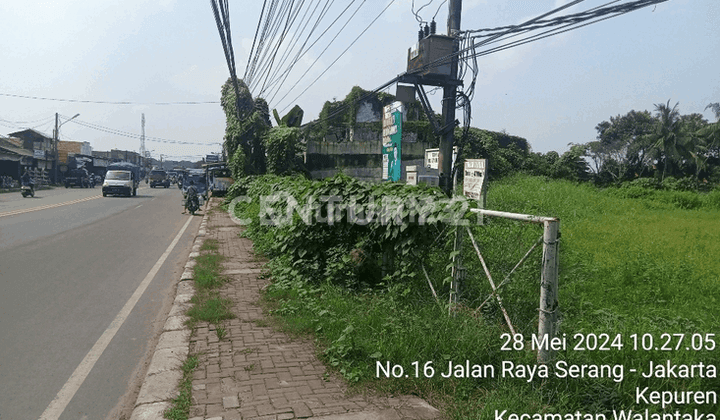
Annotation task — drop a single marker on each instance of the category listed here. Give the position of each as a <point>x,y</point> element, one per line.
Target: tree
<point>715,107</point>
<point>667,136</point>
<point>708,139</point>
<point>571,165</point>
<point>695,144</point>
<point>621,151</point>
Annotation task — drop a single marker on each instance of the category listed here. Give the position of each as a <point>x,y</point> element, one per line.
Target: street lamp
<point>55,140</point>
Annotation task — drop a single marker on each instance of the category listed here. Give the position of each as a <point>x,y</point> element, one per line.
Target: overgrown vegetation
<point>253,145</point>
<point>180,408</point>
<point>247,121</point>
<point>628,267</point>
<point>208,305</point>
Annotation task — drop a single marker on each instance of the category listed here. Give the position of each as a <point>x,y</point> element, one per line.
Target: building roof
<point>29,133</point>
<point>9,146</point>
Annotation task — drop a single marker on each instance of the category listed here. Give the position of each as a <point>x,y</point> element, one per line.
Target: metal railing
<point>548,308</point>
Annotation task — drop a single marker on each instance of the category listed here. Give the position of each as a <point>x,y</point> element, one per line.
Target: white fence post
<point>548,288</point>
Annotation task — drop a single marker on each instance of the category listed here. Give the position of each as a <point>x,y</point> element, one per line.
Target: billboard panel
<point>392,137</point>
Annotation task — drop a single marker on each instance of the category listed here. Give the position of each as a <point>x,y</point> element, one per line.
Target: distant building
<point>125,156</point>
<point>41,145</point>
<point>71,148</point>
<point>13,157</point>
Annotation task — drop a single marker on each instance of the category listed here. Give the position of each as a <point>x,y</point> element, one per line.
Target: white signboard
<point>432,157</point>
<point>474,178</point>
<point>411,175</point>
<point>38,154</point>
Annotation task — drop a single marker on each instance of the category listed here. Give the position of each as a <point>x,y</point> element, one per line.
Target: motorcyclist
<point>28,180</point>
<point>190,194</point>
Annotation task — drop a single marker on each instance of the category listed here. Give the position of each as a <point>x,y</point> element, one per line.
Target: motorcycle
<point>27,190</point>
<point>192,204</point>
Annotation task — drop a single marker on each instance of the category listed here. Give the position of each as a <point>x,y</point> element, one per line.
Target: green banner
<point>391,140</point>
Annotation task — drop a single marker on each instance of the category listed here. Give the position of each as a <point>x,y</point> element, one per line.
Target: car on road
<point>158,177</point>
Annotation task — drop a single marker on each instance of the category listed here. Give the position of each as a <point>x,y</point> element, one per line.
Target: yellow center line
<point>49,206</point>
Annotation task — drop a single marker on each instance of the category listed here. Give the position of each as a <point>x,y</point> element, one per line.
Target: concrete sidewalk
<point>254,372</point>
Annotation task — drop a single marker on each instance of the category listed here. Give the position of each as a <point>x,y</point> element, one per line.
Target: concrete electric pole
<point>57,158</point>
<point>143,159</point>
<point>448,105</point>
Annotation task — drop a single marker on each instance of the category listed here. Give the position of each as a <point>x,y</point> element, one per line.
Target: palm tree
<point>667,134</point>
<point>715,107</point>
<point>709,135</point>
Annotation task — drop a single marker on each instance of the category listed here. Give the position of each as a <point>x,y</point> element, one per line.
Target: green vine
<point>339,229</point>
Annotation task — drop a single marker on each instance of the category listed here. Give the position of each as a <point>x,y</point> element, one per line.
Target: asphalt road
<point>70,260</point>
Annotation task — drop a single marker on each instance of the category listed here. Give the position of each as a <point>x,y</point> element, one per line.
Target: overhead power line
<point>577,21</point>
<point>222,20</point>
<point>131,135</point>
<point>343,53</point>
<point>282,70</point>
<point>263,66</point>
<point>304,50</point>
<point>307,70</point>
<point>10,95</point>
<point>41,120</point>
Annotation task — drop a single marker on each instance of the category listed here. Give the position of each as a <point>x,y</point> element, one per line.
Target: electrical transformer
<point>435,49</point>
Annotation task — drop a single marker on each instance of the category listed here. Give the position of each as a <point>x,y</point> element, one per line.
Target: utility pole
<point>55,142</point>
<point>447,138</point>
<point>142,142</point>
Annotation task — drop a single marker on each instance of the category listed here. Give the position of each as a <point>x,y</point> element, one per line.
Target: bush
<point>712,199</point>
<point>628,190</point>
<point>649,183</point>
<point>295,219</point>
<point>677,193</point>
<point>682,184</point>
<point>681,199</point>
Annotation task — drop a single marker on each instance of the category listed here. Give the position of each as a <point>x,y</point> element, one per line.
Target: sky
<point>552,92</point>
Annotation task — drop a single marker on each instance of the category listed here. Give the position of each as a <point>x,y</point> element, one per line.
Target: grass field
<point>633,269</point>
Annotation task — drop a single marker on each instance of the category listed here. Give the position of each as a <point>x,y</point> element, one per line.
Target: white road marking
<point>62,399</point>
<point>49,206</point>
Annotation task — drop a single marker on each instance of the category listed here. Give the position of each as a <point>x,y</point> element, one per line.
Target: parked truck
<point>121,178</point>
<point>219,178</point>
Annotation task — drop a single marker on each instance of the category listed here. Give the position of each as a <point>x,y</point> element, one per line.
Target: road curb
<point>160,385</point>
